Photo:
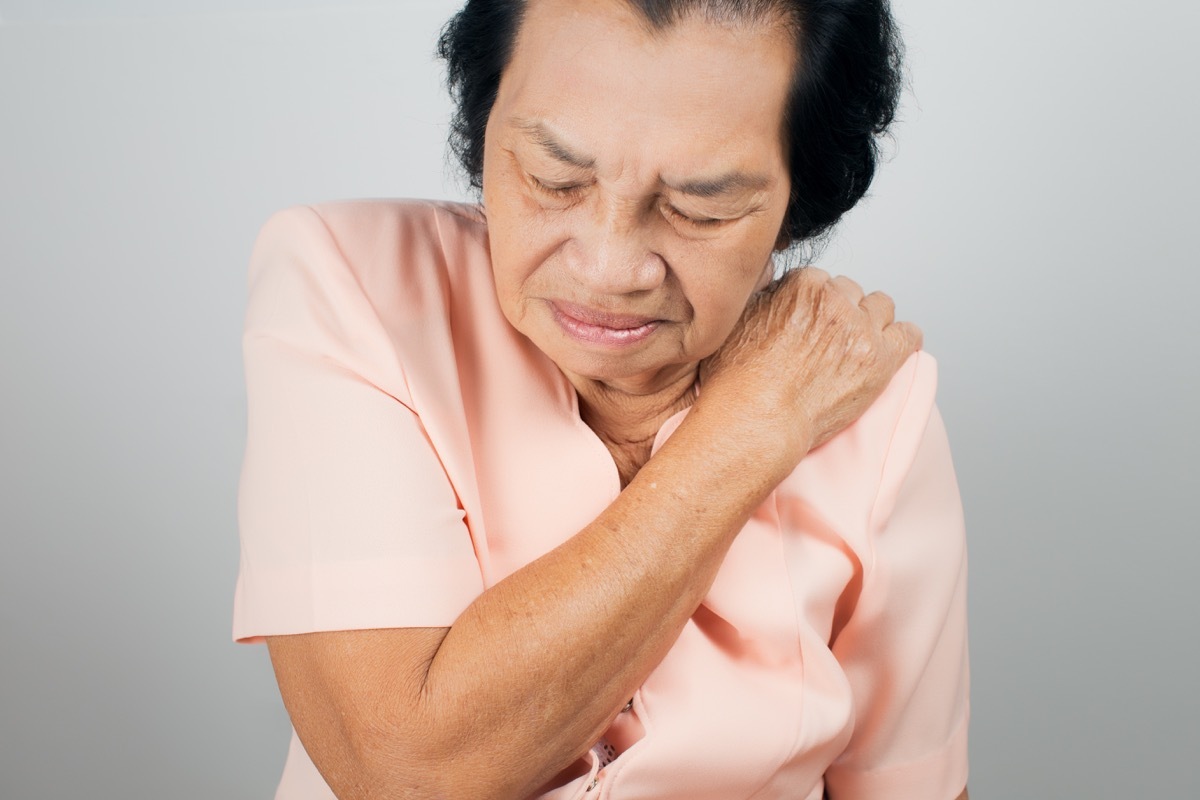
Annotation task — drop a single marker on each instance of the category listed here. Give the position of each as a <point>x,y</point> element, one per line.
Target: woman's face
<point>635,184</point>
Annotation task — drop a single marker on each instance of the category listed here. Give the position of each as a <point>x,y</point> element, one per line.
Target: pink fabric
<point>408,449</point>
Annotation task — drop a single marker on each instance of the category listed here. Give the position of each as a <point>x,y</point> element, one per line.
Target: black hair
<point>844,92</point>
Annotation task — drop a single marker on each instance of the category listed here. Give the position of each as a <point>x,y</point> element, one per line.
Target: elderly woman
<point>562,495</point>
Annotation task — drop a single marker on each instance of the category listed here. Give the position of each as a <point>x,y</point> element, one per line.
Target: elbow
<point>421,759</point>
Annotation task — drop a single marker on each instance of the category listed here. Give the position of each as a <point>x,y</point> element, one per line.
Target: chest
<point>750,694</point>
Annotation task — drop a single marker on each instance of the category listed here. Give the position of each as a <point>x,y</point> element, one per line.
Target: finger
<point>849,289</point>
<point>905,337</point>
<point>880,309</point>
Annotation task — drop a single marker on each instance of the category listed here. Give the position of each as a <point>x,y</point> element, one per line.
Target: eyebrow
<point>720,185</point>
<point>700,187</point>
<point>555,148</point>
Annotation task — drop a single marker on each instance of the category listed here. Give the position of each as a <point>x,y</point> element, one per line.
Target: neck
<point>627,419</point>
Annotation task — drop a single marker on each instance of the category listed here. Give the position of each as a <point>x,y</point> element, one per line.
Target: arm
<point>904,649</point>
<point>537,666</point>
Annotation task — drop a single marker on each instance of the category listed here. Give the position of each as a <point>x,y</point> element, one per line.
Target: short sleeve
<point>347,519</point>
<point>904,648</point>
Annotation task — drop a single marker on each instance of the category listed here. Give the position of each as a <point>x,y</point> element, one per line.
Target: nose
<point>612,255</point>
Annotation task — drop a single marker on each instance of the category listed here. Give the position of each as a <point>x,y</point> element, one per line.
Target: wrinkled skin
<point>813,347</point>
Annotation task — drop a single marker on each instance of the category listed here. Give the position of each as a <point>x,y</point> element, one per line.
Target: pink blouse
<point>407,449</point>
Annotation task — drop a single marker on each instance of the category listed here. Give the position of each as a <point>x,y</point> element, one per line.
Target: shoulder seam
<point>889,452</point>
<point>407,401</point>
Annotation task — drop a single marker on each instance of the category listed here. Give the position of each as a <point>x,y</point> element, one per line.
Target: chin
<point>636,373</point>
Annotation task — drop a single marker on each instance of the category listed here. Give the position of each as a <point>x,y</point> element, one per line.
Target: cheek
<point>716,309</point>
<point>511,272</point>
<point>519,265</point>
<point>719,301</point>
<point>523,246</point>
<point>514,224</point>
<point>520,247</point>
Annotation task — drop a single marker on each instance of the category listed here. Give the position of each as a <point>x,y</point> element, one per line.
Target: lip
<point>601,327</point>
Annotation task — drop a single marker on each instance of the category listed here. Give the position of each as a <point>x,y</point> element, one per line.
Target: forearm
<point>537,667</point>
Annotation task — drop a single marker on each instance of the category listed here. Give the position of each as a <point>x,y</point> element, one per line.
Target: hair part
<point>844,91</point>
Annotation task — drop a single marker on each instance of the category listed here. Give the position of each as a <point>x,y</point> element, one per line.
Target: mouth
<point>592,326</point>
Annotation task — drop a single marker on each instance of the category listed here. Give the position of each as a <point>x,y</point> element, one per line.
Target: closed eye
<point>556,190</point>
<point>698,222</point>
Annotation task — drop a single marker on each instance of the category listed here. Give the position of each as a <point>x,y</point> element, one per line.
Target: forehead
<point>690,93</point>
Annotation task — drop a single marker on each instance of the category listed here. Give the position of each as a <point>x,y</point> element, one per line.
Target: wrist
<point>751,441</point>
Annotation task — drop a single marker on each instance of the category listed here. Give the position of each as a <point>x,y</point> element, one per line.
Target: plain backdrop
<point>1036,217</point>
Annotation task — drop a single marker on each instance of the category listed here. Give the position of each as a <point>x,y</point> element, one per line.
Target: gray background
<point>1034,218</point>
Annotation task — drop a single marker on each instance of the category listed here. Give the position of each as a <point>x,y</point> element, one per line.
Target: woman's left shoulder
<point>911,390</point>
<point>898,418</point>
<point>893,424</point>
<point>877,449</point>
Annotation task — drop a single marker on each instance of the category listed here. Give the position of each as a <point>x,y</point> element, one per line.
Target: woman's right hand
<point>807,358</point>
